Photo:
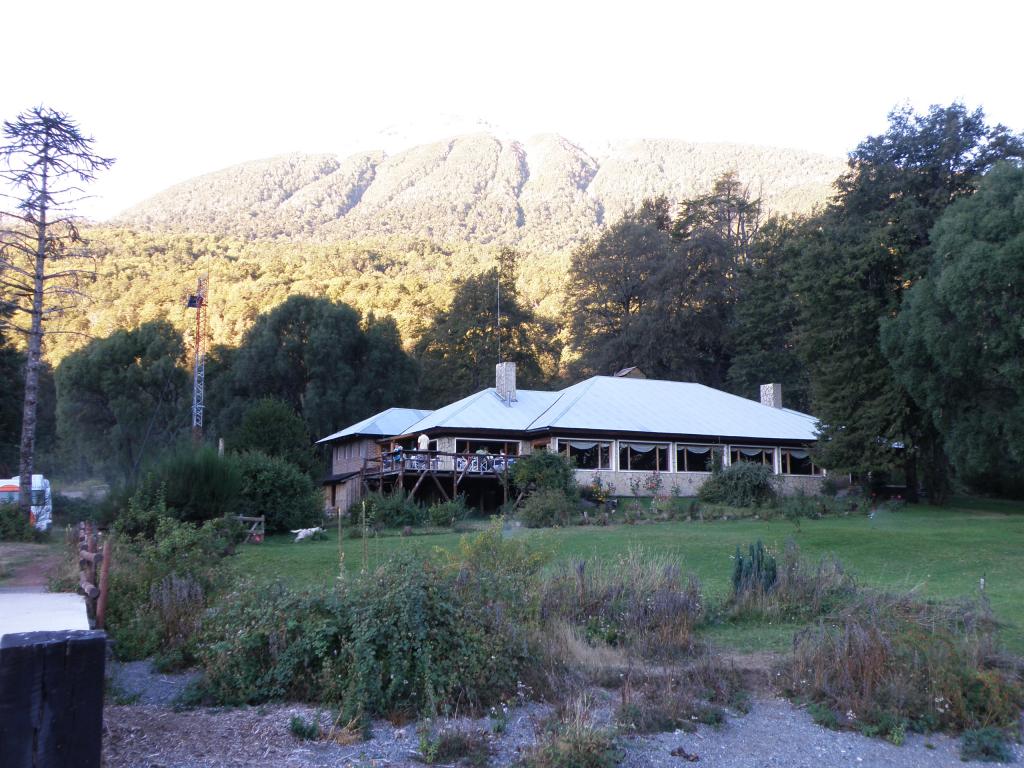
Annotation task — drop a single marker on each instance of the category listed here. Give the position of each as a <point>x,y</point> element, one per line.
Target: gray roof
<point>611,404</point>
<point>393,421</point>
<point>617,404</point>
<point>485,410</point>
<point>605,404</point>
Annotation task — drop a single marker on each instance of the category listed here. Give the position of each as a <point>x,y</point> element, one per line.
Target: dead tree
<point>44,160</point>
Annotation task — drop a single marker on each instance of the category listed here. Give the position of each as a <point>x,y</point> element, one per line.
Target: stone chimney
<point>505,382</point>
<point>771,395</point>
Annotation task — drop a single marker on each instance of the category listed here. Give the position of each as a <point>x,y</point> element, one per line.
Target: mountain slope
<point>544,193</point>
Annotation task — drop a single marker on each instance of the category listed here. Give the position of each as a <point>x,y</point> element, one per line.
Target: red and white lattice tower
<point>197,301</point>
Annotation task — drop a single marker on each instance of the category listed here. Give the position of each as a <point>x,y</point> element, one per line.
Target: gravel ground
<point>773,734</point>
<point>139,682</point>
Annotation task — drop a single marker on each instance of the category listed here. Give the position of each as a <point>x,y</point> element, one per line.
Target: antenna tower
<point>197,301</point>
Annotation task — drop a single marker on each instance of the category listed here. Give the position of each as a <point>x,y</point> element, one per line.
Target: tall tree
<point>44,160</point>
<point>766,317</point>
<point>459,349</point>
<point>859,257</point>
<point>657,291</point>
<point>957,344</point>
<point>317,357</point>
<point>123,399</point>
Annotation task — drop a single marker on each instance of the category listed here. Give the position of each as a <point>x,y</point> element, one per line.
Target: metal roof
<point>603,404</point>
<point>485,410</point>
<point>611,404</point>
<point>393,421</point>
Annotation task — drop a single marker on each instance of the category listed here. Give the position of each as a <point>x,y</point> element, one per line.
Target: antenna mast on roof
<point>197,301</point>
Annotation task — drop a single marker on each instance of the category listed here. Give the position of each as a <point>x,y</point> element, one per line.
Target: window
<point>587,454</point>
<point>798,462</point>
<point>490,447</point>
<point>694,458</point>
<point>644,457</point>
<point>751,455</point>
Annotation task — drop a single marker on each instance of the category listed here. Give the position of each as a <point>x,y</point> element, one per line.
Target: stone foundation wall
<point>687,483</point>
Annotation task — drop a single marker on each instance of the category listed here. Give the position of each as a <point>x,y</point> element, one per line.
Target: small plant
<point>445,514</point>
<point>301,728</point>
<point>653,484</point>
<point>823,716</point>
<point>454,745</point>
<point>988,745</point>
<point>14,524</point>
<point>756,573</point>
<point>574,742</point>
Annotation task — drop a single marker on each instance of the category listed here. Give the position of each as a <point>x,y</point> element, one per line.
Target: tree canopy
<point>123,399</point>
<point>957,345</point>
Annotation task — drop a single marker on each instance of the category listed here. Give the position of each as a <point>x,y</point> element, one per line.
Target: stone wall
<point>687,483</point>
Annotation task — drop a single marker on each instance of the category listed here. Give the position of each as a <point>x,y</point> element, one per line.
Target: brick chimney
<point>505,382</point>
<point>771,395</point>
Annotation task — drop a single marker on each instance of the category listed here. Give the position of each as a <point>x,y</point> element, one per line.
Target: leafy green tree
<point>122,399</point>
<point>316,357</point>
<point>957,345</point>
<point>765,323</point>
<point>43,161</point>
<point>858,259</point>
<point>273,428</point>
<point>459,349</point>
<point>658,292</point>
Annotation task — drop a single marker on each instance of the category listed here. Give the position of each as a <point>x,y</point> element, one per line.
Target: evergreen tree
<point>459,349</point>
<point>957,345</point>
<point>859,257</point>
<point>43,161</point>
<point>316,357</point>
<point>765,321</point>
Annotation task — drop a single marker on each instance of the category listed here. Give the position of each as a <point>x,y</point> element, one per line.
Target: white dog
<point>305,533</point>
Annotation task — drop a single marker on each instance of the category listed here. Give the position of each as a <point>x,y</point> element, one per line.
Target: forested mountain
<point>541,194</point>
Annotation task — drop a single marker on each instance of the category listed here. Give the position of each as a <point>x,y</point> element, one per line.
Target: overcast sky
<point>176,89</point>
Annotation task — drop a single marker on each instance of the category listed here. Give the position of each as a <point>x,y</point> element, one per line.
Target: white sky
<point>175,89</point>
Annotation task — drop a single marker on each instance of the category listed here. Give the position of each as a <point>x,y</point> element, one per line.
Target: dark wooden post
<point>51,699</point>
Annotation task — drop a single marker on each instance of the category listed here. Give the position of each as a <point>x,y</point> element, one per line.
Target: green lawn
<point>941,552</point>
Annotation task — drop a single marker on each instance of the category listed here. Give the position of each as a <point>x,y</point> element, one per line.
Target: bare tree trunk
<point>32,363</point>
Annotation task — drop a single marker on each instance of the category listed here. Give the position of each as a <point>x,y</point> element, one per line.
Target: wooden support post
<point>440,487</point>
<point>101,603</point>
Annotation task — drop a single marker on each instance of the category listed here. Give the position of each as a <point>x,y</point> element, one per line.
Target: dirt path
<point>26,567</point>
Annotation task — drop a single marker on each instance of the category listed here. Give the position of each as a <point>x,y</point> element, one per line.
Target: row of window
<point>655,457</point>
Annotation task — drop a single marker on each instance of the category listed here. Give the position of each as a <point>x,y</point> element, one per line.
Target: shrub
<point>275,429</point>
<point>279,491</point>
<point>897,661</point>
<point>988,745</point>
<point>545,470</point>
<point>389,510</point>
<point>160,587</point>
<point>740,485</point>
<point>641,602</point>
<point>14,524</point>
<point>403,640</point>
<point>197,483</point>
<point>547,507</point>
<point>445,514</point>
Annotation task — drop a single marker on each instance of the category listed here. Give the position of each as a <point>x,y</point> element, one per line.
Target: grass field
<point>942,553</point>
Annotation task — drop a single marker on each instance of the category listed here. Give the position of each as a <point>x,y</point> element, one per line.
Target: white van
<point>42,501</point>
